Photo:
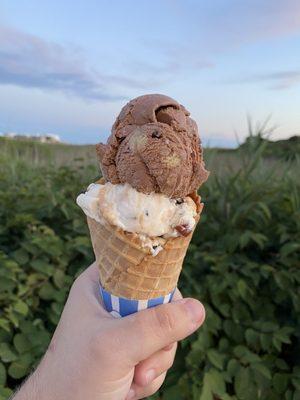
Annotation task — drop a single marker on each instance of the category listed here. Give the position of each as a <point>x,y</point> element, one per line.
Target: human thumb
<point>150,330</point>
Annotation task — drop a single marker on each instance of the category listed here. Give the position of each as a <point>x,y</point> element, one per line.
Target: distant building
<point>47,138</point>
<point>50,138</point>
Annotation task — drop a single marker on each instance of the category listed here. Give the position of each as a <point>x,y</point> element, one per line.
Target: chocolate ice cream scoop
<point>155,147</point>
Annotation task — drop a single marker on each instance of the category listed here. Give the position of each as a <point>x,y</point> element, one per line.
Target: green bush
<point>44,243</point>
<point>243,264</point>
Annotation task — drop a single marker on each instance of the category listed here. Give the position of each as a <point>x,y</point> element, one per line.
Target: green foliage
<point>243,264</point>
<point>258,139</point>
<point>287,149</point>
<point>43,245</point>
<point>44,154</point>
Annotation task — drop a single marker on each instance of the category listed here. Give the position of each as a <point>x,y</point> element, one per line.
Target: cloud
<point>285,80</point>
<point>253,21</point>
<point>179,56</point>
<point>222,25</point>
<point>29,61</point>
<point>168,59</point>
<point>280,80</point>
<point>213,28</point>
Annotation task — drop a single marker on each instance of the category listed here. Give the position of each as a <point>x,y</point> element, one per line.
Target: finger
<point>148,370</point>
<point>177,295</point>
<point>85,290</point>
<point>169,346</point>
<point>151,330</point>
<point>89,277</point>
<point>139,392</point>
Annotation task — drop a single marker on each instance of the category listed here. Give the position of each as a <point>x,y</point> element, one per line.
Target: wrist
<point>28,390</point>
<point>34,388</point>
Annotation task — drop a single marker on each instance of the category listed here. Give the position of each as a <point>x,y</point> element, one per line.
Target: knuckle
<point>77,284</point>
<point>154,387</point>
<point>96,345</point>
<point>103,345</point>
<point>115,342</point>
<point>165,364</point>
<point>151,391</point>
<point>141,323</point>
<point>165,320</point>
<point>169,363</point>
<point>170,347</point>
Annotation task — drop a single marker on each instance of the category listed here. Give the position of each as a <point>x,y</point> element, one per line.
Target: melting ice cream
<point>152,216</point>
<point>151,163</point>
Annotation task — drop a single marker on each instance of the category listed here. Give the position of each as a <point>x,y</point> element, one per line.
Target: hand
<point>94,356</point>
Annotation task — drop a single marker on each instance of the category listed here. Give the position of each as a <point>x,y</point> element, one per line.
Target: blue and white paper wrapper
<point>120,307</point>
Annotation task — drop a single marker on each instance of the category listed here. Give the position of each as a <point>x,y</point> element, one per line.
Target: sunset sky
<point>67,67</point>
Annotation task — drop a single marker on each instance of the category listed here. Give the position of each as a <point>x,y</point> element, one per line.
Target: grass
<point>44,154</point>
<point>219,161</point>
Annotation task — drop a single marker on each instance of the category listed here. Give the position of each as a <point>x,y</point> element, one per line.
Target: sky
<point>67,67</point>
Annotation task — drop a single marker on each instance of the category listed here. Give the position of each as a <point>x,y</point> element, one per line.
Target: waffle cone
<point>127,269</point>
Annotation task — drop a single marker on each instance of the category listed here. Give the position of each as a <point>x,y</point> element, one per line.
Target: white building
<point>47,138</point>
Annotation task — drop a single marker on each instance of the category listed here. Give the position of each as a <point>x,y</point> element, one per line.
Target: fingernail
<point>131,395</point>
<point>195,310</point>
<point>150,375</point>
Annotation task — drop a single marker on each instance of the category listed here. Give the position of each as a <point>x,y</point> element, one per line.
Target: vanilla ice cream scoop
<point>150,215</point>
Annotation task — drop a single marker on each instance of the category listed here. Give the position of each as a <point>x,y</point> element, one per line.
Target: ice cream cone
<point>129,270</point>
<point>152,162</point>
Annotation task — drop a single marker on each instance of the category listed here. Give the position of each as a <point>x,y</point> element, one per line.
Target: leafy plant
<point>244,265</point>
<point>43,244</point>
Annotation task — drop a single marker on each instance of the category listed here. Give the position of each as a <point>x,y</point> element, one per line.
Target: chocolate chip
<point>184,230</point>
<point>146,212</point>
<point>179,201</point>
<point>154,247</point>
<point>156,135</point>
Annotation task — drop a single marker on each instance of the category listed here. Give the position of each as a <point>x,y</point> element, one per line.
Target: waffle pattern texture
<point>127,269</point>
